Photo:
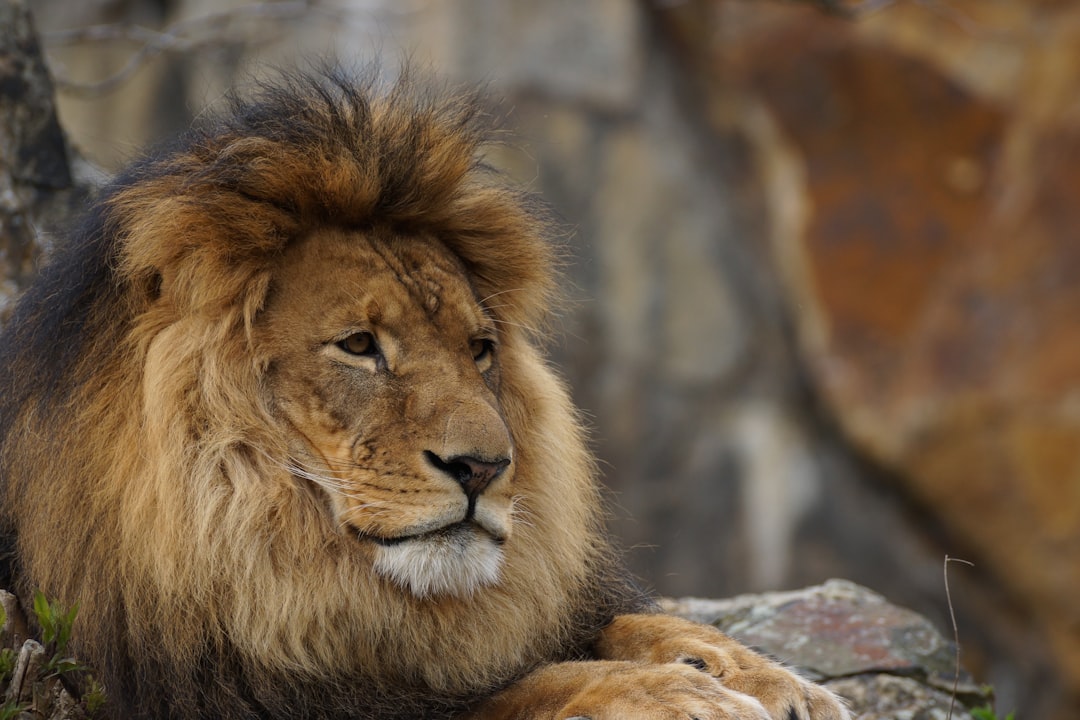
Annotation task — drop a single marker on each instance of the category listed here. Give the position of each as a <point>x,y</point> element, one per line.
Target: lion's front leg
<point>618,691</point>
<point>667,639</point>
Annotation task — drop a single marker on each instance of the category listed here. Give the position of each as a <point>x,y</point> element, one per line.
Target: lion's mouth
<point>457,531</point>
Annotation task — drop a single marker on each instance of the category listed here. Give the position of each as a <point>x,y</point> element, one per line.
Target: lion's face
<point>384,367</point>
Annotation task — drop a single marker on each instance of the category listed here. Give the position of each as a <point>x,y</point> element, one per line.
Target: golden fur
<point>240,409</point>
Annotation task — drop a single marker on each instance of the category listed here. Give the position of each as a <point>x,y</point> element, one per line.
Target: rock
<point>65,707</point>
<point>882,658</point>
<point>31,142</point>
<point>14,630</point>
<point>923,176</point>
<point>28,667</point>
<point>37,190</point>
<point>890,697</point>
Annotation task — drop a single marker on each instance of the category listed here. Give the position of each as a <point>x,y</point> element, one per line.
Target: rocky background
<point>822,260</point>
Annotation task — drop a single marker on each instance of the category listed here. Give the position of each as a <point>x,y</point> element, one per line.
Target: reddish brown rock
<point>926,208</point>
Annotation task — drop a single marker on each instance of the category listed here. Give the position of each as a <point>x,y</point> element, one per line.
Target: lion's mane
<point>142,475</point>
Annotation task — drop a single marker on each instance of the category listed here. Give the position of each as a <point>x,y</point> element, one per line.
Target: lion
<point>277,418</point>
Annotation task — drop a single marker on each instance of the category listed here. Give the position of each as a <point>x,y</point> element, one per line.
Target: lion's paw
<point>620,691</point>
<point>659,692</point>
<point>665,639</point>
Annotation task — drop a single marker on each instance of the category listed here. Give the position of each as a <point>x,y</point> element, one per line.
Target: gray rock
<point>882,658</point>
<point>28,668</point>
<point>890,697</point>
<point>37,188</point>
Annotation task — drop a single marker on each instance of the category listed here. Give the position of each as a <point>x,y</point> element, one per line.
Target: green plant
<point>94,697</point>
<point>988,713</point>
<point>7,658</point>
<point>7,664</point>
<point>11,710</point>
<point>56,625</point>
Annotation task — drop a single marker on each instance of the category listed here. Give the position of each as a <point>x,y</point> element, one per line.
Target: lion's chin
<point>454,563</point>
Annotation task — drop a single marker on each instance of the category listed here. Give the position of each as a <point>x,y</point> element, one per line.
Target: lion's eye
<point>361,343</point>
<point>482,349</point>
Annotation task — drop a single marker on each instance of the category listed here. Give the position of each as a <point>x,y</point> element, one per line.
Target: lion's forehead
<point>396,281</point>
<point>430,275</point>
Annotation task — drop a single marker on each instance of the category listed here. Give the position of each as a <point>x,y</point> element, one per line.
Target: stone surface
<point>882,657</point>
<point>31,146</point>
<point>13,631</point>
<point>923,174</point>
<point>891,697</point>
<point>31,143</point>
<point>37,190</point>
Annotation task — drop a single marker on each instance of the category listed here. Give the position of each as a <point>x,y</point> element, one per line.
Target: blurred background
<point>823,264</point>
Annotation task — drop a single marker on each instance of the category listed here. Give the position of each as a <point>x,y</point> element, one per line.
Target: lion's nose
<point>473,474</point>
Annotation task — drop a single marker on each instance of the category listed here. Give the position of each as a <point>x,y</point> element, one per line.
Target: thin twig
<point>956,633</point>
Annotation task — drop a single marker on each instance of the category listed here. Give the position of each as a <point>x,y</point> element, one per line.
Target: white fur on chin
<point>457,564</point>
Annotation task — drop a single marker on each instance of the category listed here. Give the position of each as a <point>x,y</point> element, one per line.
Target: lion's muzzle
<point>473,474</point>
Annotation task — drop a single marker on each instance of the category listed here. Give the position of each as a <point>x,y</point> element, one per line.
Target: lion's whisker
<point>500,292</point>
<point>521,514</point>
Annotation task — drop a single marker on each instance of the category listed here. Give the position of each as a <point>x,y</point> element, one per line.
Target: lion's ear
<point>194,245</point>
